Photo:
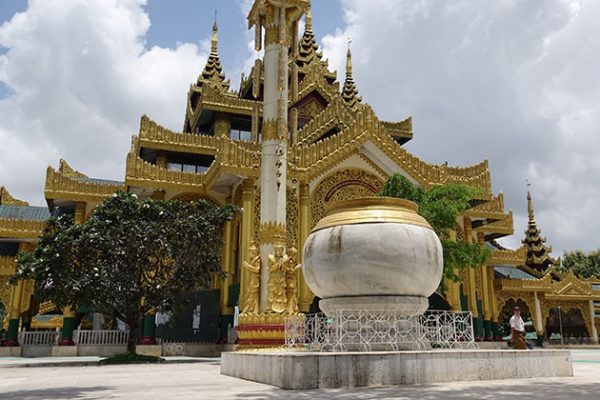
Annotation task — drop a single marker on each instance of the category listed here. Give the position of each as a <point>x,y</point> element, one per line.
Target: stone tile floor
<point>201,380</point>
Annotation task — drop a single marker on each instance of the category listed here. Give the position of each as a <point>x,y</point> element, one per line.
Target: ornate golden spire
<point>213,71</point>
<point>530,208</point>
<point>538,254</point>
<point>309,49</point>
<point>350,92</point>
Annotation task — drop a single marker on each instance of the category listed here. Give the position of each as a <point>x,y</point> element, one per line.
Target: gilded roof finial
<point>213,71</point>
<point>308,49</point>
<point>350,92</point>
<point>529,203</point>
<point>215,36</point>
<point>538,254</point>
<point>349,60</point>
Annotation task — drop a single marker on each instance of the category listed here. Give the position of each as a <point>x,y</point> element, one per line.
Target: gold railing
<point>142,173</point>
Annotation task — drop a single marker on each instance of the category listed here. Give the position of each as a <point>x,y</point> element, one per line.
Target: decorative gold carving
<point>5,291</point>
<point>271,233</point>
<point>342,185</point>
<point>508,257</point>
<point>52,323</point>
<point>402,129</point>
<point>278,264</point>
<point>292,218</point>
<point>310,109</point>
<point>28,289</point>
<point>65,169</point>
<point>491,210</point>
<point>499,228</point>
<point>252,301</point>
<point>8,265</point>
<point>269,130</point>
<point>7,200</point>
<point>291,281</point>
<point>222,126</point>
<point>69,187</point>
<point>46,307</point>
<point>16,228</point>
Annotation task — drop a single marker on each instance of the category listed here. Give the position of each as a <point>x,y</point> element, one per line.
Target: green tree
<point>129,258</point>
<point>583,265</point>
<point>441,206</point>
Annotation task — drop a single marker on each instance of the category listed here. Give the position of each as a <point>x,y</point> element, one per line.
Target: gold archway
<point>344,184</point>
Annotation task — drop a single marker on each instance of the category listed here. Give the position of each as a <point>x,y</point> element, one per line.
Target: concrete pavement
<point>202,380</point>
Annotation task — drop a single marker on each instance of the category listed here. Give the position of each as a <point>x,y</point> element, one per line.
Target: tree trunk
<point>134,327</point>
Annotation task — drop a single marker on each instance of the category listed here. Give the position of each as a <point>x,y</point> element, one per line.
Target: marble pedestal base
<point>306,370</point>
<point>404,305</point>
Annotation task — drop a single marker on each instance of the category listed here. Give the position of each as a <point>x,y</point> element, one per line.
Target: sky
<point>513,82</point>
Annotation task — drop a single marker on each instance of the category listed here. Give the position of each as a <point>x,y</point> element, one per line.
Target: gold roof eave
<point>63,187</point>
<point>21,229</point>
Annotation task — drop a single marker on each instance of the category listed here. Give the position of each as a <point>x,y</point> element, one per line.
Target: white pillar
<point>538,312</point>
<point>594,331</point>
<point>274,143</point>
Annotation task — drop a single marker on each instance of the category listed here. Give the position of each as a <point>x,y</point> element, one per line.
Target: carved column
<point>471,286</point>
<point>594,331</point>
<point>537,317</point>
<point>493,304</point>
<point>14,315</point>
<point>306,296</point>
<point>226,265</point>
<point>246,233</point>
<point>485,294</point>
<point>273,177</point>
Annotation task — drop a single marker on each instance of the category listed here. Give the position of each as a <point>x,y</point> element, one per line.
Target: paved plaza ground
<point>202,380</point>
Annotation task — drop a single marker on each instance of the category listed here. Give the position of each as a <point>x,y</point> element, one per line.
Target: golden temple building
<point>285,146</point>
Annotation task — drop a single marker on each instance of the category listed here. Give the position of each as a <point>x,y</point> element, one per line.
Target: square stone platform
<point>308,370</point>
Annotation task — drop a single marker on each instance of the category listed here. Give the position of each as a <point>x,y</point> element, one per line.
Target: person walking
<point>517,328</point>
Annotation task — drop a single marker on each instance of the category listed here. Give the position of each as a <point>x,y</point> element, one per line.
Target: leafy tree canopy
<point>583,265</point>
<point>441,206</point>
<point>129,258</point>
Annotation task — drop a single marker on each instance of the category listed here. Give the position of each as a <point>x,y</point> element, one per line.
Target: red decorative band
<point>260,342</point>
<point>260,327</point>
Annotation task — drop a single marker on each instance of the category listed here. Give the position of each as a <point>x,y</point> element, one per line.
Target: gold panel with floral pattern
<point>342,185</point>
<point>291,217</point>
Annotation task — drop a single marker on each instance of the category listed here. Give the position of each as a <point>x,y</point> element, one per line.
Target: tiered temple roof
<point>538,254</point>
<point>350,91</point>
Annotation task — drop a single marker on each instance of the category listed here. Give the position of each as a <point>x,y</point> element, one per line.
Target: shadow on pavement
<point>94,392</point>
<point>533,390</point>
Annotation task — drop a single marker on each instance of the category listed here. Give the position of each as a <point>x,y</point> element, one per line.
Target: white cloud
<point>81,77</point>
<point>515,82</point>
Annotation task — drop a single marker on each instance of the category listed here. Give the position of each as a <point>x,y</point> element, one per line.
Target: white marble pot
<point>373,254</point>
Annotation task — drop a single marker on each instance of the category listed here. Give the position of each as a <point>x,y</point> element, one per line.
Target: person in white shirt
<point>517,328</point>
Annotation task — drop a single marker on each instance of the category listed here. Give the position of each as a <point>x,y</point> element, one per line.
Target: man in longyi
<point>517,329</point>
